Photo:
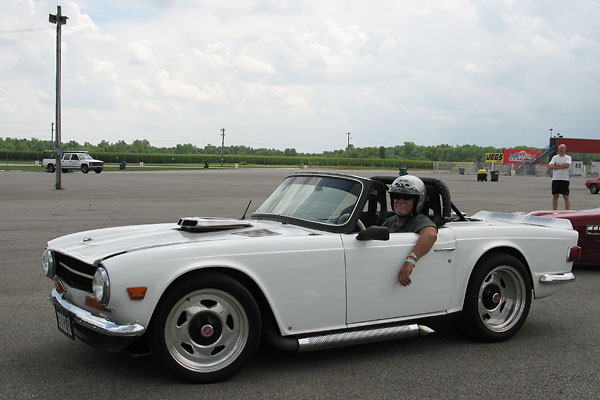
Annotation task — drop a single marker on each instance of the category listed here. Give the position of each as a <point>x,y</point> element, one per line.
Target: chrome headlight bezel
<point>48,263</point>
<point>101,286</point>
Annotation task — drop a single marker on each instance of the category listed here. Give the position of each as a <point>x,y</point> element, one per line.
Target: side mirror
<point>374,233</point>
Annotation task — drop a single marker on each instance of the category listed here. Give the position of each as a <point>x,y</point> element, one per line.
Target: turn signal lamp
<point>91,301</point>
<point>137,293</point>
<point>60,288</point>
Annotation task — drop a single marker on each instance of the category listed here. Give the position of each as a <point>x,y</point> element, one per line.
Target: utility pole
<point>550,133</point>
<point>348,148</point>
<point>52,133</point>
<point>59,20</point>
<point>222,144</point>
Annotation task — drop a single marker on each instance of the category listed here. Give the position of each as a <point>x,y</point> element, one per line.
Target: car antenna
<point>244,216</point>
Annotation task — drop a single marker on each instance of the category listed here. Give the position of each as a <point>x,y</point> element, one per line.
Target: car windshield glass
<point>85,156</point>
<point>327,200</point>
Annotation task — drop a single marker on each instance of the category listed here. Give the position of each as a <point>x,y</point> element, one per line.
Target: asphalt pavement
<point>554,355</point>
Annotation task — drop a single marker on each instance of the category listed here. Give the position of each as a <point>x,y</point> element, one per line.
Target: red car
<point>587,224</point>
<point>593,185</point>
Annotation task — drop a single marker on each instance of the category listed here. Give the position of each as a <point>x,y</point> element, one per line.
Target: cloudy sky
<point>302,73</point>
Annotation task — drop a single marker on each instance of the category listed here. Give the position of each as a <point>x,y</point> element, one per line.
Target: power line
<point>25,30</point>
<point>3,131</point>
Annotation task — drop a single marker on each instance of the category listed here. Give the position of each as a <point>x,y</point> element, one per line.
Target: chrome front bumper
<point>557,278</point>
<point>96,324</point>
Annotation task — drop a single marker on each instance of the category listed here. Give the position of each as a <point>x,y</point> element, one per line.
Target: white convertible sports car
<point>311,269</point>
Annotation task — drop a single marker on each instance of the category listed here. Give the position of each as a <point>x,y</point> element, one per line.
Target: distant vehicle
<point>593,185</point>
<point>72,160</point>
<point>587,224</point>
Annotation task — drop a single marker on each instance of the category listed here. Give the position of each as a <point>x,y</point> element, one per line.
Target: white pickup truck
<point>73,160</point>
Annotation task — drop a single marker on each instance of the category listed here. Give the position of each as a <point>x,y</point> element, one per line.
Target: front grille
<point>74,273</point>
<point>96,164</point>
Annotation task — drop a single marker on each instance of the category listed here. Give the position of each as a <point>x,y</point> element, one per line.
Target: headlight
<point>101,286</point>
<point>48,263</point>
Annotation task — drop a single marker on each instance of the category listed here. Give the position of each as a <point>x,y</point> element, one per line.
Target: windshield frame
<point>347,227</point>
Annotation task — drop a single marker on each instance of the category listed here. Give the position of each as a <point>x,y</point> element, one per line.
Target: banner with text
<point>515,156</point>
<point>494,158</point>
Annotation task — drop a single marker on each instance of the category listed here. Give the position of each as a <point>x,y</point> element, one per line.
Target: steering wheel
<point>345,215</point>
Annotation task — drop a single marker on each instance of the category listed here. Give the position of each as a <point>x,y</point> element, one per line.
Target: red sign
<point>514,156</point>
<point>579,145</point>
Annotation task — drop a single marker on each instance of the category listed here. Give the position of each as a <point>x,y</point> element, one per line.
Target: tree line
<point>406,151</point>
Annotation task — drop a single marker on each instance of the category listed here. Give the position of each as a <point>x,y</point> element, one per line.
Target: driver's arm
<point>427,237</point>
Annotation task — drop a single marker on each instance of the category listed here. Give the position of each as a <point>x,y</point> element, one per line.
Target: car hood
<point>95,245</point>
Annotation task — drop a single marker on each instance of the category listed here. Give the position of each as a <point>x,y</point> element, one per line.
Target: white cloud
<point>141,52</point>
<point>253,65</point>
<point>283,73</point>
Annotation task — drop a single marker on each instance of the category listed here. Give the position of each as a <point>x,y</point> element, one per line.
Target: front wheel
<point>206,328</point>
<point>593,189</point>
<point>98,170</point>
<point>84,168</point>
<point>498,298</point>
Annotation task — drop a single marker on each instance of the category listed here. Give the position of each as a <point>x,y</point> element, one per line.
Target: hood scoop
<point>208,224</point>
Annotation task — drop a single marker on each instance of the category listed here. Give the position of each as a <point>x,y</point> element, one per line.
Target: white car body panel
<point>374,292</point>
<point>298,271</point>
<point>307,276</point>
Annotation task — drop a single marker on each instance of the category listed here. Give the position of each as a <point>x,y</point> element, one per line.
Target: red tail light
<point>574,253</point>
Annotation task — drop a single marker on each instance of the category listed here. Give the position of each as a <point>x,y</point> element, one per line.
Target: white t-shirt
<point>563,173</point>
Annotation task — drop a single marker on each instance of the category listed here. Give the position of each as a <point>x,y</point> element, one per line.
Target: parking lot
<point>555,354</point>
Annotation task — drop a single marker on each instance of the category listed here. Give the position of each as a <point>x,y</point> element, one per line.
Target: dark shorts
<point>560,187</point>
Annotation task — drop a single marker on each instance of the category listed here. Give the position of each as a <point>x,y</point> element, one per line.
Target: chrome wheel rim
<point>502,298</point>
<point>206,330</point>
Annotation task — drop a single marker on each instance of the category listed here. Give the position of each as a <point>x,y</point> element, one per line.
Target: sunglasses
<point>404,196</point>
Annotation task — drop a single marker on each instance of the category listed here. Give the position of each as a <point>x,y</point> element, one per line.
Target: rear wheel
<point>498,298</point>
<point>51,168</point>
<point>84,168</point>
<point>593,189</point>
<point>206,329</point>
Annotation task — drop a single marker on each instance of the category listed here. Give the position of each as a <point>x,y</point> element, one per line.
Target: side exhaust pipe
<point>333,340</point>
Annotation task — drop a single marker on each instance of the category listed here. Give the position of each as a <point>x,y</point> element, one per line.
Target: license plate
<point>65,323</point>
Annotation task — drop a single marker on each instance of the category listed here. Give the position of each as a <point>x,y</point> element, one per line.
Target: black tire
<point>497,300</point>
<point>65,170</point>
<point>593,189</point>
<point>84,168</point>
<point>50,168</point>
<point>206,328</point>
<point>98,170</point>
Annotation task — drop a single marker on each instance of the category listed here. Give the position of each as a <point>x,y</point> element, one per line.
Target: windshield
<point>84,156</point>
<point>314,198</point>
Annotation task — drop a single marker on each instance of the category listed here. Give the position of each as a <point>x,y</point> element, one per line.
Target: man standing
<point>560,165</point>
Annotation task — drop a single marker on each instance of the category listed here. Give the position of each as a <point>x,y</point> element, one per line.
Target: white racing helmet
<point>409,185</point>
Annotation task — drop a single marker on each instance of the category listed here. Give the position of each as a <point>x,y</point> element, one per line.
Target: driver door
<point>373,290</point>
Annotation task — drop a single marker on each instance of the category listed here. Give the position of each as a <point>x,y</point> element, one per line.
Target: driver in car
<point>407,195</point>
